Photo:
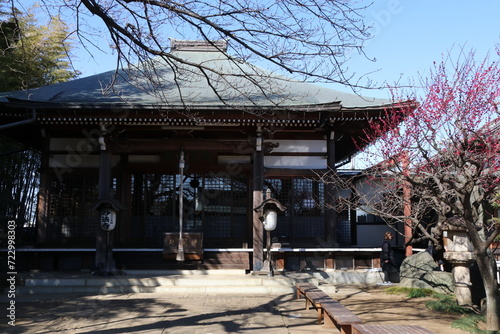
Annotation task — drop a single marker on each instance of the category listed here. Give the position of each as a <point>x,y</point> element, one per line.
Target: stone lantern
<point>460,253</point>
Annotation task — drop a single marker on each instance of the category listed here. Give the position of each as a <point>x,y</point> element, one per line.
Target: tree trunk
<point>486,267</point>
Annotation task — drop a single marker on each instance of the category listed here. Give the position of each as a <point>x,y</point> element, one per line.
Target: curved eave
<point>24,104</point>
<point>322,115</point>
<point>72,107</point>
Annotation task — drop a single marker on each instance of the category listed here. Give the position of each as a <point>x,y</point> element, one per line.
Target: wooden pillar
<point>125,226</point>
<point>42,219</point>
<point>258,185</point>
<point>104,263</point>
<point>331,194</point>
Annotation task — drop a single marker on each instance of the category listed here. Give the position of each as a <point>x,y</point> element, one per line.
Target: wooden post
<point>331,215</point>
<point>125,227</point>
<point>104,263</point>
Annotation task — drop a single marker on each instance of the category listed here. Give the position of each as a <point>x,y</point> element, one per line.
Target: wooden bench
<point>313,297</point>
<point>337,315</point>
<point>388,329</point>
<point>331,311</point>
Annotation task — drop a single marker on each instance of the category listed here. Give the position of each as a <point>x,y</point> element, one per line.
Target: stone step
<point>236,289</point>
<point>215,282</point>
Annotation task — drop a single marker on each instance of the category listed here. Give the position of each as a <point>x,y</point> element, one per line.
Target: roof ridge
<point>198,45</point>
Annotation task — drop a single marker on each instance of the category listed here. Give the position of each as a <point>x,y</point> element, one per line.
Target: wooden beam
<point>127,146</point>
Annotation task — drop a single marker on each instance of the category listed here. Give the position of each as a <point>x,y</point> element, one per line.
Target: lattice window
<point>154,199</point>
<point>70,209</point>
<point>213,205</point>
<point>308,212</point>
<point>304,217</point>
<point>224,207</point>
<point>344,228</point>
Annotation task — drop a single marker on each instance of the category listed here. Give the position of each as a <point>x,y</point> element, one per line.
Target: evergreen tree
<point>33,55</point>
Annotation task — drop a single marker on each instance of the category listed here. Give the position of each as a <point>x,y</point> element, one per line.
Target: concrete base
<point>368,276</point>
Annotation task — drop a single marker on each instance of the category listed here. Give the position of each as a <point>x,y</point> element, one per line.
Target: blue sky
<point>408,35</point>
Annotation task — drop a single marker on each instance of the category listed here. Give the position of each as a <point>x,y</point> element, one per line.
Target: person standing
<point>387,260</point>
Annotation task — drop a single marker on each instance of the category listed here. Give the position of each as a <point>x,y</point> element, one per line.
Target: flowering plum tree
<point>441,164</point>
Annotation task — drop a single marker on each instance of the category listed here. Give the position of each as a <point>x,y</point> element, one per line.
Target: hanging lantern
<point>108,219</point>
<point>270,219</point>
<point>269,209</point>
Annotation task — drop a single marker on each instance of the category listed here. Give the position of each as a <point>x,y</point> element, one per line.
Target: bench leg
<point>320,315</point>
<point>346,329</point>
<point>328,321</point>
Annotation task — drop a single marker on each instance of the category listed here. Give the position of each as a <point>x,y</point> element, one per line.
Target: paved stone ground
<point>208,314</point>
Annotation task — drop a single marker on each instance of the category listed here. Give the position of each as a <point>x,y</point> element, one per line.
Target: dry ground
<point>373,305</point>
<point>210,314</point>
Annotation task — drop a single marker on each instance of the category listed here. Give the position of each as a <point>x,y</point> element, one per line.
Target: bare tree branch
<point>308,40</point>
